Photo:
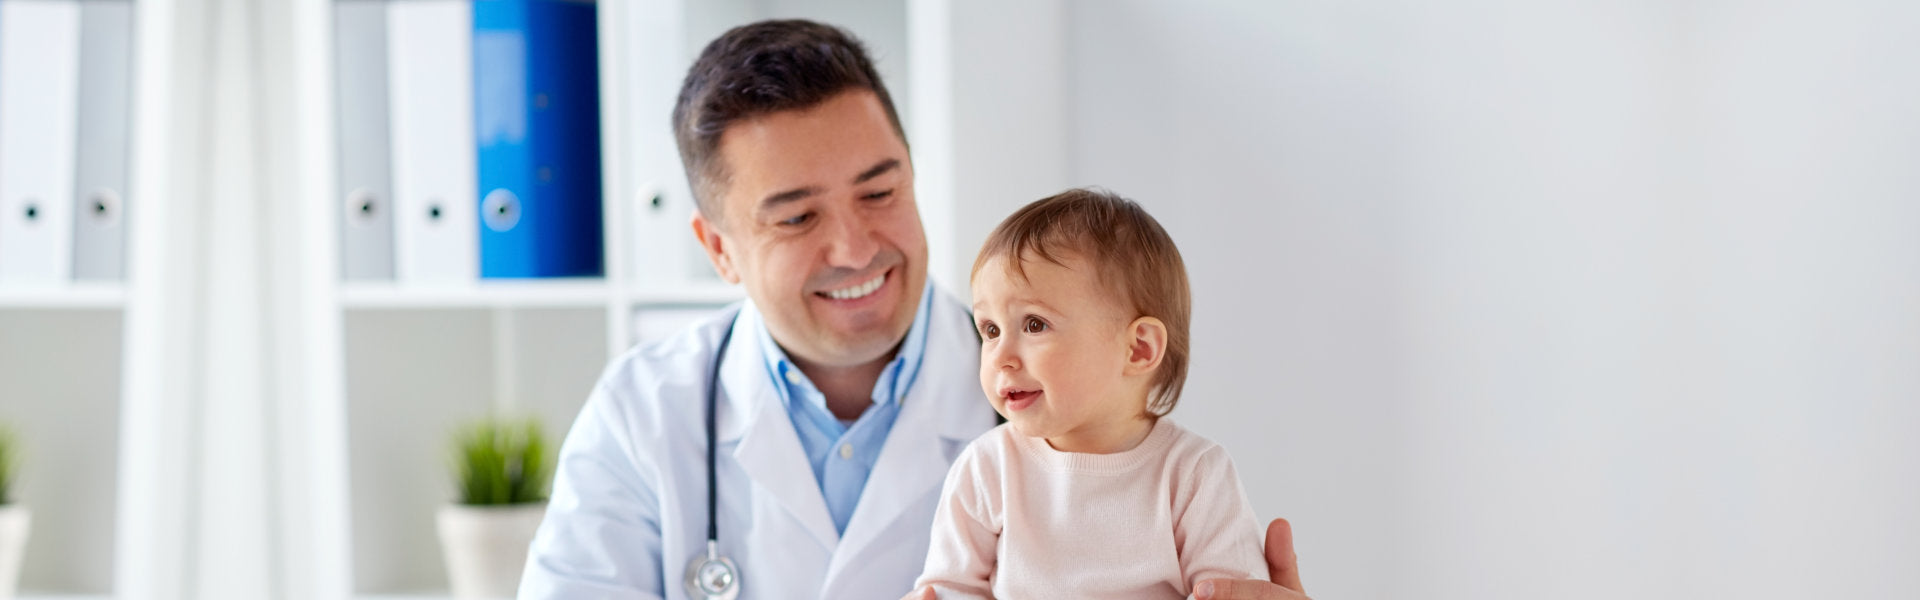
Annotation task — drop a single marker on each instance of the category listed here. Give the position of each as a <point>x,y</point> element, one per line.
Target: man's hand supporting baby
<point>1282,565</point>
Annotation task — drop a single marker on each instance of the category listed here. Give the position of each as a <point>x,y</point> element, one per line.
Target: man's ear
<point>1146,345</point>
<point>715,244</point>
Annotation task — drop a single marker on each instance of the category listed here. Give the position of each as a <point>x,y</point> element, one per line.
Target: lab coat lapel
<point>769,450</point>
<point>941,412</point>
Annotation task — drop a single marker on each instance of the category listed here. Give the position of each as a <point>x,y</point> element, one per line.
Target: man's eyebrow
<point>786,196</point>
<point>796,194</point>
<point>877,170</point>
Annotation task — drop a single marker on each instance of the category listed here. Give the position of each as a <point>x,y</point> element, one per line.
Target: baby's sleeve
<point>966,536</point>
<point>1218,535</point>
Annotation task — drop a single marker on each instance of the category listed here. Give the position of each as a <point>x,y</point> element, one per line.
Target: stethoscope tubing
<point>713,443</point>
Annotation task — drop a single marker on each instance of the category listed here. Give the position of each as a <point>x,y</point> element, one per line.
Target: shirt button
<point>846,451</point>
<point>793,377</point>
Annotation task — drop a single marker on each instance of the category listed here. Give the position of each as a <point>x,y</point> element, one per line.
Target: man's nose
<point>853,245</point>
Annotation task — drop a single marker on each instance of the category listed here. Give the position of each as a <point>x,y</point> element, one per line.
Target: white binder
<point>665,254</point>
<point>435,186</point>
<point>39,79</point>
<point>100,182</point>
<point>364,180</point>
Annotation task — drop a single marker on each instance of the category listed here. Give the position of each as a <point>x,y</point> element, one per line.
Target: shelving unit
<point>73,356</point>
<point>415,360</point>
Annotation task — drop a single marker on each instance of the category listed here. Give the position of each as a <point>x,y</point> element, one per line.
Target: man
<point>838,394</point>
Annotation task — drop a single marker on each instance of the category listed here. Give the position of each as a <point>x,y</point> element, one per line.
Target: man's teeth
<point>858,291</point>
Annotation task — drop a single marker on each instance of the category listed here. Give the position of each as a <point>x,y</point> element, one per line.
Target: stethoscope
<point>711,576</point>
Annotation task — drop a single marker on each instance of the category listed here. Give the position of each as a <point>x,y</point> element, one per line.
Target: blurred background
<point>1493,299</point>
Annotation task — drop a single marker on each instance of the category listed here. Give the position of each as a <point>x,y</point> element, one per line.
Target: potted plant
<point>502,470</point>
<point>15,520</point>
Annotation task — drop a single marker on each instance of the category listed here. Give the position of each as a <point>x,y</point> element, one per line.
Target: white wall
<point>991,128</point>
<point>1521,299</point>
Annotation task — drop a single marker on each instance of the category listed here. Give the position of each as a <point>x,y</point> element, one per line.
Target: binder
<point>537,111</point>
<point>363,180</point>
<point>100,165</point>
<point>39,72</point>
<point>430,86</point>
<point>661,201</point>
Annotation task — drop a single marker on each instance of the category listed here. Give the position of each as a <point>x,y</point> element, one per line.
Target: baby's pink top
<point>1022,520</point>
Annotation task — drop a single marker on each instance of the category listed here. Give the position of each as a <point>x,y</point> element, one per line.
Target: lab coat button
<point>846,451</point>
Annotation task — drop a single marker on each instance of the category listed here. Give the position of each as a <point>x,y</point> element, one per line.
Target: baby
<point>1089,490</point>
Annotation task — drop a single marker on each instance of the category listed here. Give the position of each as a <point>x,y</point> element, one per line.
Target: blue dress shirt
<point>843,454</point>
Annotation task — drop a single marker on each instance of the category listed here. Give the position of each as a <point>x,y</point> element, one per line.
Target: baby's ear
<point>1146,345</point>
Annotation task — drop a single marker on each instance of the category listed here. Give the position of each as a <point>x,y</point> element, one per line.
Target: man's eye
<point>990,331</point>
<point>878,195</point>
<point>1035,325</point>
<point>798,220</point>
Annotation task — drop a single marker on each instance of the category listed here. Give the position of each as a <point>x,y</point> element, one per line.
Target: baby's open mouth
<point>1018,399</point>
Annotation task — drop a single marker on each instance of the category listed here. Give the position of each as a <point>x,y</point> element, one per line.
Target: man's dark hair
<point>762,68</point>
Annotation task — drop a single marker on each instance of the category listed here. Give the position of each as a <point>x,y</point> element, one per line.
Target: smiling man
<point>812,210</point>
<point>792,446</point>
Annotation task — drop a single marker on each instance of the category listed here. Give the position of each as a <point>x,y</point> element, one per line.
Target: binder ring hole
<point>656,201</point>
<point>500,209</point>
<point>362,205</point>
<point>104,206</point>
<point>433,211</point>
<point>33,210</point>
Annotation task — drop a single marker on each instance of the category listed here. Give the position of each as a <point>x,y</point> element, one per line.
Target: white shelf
<point>64,296</point>
<point>556,293</point>
<point>698,293</point>
<point>561,293</point>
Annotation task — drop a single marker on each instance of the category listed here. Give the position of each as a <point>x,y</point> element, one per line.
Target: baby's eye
<point>1035,325</point>
<point>989,330</point>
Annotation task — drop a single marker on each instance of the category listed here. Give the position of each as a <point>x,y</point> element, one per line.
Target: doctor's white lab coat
<point>629,504</point>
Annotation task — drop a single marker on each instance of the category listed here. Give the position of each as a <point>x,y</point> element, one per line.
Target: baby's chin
<point>1027,427</point>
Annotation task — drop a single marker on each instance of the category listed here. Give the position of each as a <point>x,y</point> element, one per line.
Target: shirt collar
<point>894,382</point>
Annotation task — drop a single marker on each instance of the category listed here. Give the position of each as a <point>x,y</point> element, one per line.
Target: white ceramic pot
<point>486,546</point>
<point>15,522</point>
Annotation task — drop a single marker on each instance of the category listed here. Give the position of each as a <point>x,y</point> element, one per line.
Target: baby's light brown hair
<point>1132,257</point>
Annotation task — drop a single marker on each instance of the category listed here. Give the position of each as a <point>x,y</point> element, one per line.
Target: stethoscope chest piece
<point>712,577</point>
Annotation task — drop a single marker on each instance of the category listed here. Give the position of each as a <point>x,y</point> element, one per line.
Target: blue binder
<point>537,125</point>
